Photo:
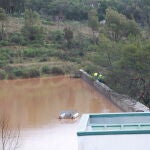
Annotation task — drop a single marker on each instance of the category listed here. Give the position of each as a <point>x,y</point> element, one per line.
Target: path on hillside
<point>41,64</point>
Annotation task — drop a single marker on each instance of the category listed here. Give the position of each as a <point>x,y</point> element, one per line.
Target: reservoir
<point>33,105</point>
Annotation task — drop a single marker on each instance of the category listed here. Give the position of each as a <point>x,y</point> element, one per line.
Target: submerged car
<point>68,114</point>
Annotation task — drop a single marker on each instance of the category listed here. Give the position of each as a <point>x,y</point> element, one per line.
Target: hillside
<point>59,37</point>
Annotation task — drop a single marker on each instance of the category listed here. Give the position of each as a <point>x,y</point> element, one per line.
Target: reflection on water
<point>34,104</point>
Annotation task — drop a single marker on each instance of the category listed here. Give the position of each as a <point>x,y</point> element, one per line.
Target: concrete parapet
<point>124,102</point>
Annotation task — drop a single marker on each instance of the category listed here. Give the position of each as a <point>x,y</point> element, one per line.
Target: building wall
<point>117,142</point>
<point>122,101</point>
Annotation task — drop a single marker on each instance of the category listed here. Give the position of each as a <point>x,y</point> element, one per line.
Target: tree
<point>68,36</point>
<point>106,46</point>
<point>32,30</point>
<point>119,26</point>
<point>137,10</point>
<point>132,28</point>
<point>145,6</point>
<point>31,18</point>
<point>33,33</point>
<point>69,9</point>
<point>3,19</point>
<point>93,22</point>
<point>130,73</point>
<point>12,6</point>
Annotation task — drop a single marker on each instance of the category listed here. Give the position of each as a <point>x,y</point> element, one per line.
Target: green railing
<point>114,123</point>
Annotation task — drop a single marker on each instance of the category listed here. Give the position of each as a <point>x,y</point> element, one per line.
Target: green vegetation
<point>44,37</point>
<point>32,31</point>
<point>119,26</point>
<point>3,18</point>
<point>93,22</point>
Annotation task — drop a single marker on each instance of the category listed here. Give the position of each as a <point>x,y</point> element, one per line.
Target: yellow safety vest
<point>95,74</point>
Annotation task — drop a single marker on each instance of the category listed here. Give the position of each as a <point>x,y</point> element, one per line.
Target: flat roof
<point>114,123</point>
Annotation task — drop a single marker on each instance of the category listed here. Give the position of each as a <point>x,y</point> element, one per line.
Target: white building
<point>117,131</point>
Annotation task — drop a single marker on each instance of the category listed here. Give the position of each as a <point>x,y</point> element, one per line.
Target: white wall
<point>114,142</point>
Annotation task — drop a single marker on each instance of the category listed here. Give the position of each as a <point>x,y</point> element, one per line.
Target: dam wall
<point>124,102</point>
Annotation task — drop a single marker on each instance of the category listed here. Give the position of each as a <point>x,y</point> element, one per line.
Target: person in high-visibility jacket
<point>95,74</point>
<point>101,78</point>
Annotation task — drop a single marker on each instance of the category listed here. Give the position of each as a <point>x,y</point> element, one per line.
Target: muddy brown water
<point>34,105</point>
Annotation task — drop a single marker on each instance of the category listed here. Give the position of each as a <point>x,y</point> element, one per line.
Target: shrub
<point>47,22</point>
<point>92,47</point>
<point>2,74</point>
<point>34,72</point>
<point>57,71</point>
<point>56,36</point>
<point>25,72</point>
<point>17,38</point>
<point>90,68</point>
<point>5,56</point>
<point>33,33</point>
<point>46,69</point>
<point>11,76</point>
<point>30,52</point>
<point>18,72</point>
<point>4,43</point>
<point>68,35</point>
<point>81,42</point>
<point>43,59</point>
<point>3,63</point>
